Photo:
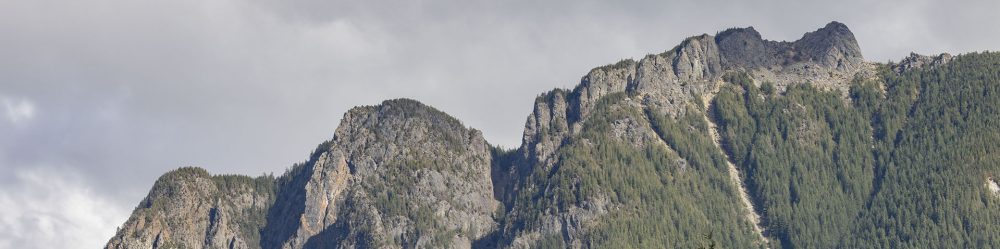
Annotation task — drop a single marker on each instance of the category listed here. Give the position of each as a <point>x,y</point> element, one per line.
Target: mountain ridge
<point>403,174</point>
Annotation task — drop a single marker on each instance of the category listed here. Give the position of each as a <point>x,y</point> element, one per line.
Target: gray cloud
<point>118,92</point>
<point>48,209</point>
<point>18,110</point>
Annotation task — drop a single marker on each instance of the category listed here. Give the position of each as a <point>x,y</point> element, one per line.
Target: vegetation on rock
<point>833,152</point>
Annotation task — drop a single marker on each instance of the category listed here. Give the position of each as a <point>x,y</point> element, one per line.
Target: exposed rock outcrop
<point>400,173</point>
<point>396,174</point>
<point>917,61</point>
<point>188,208</point>
<point>404,175</point>
<point>683,78</point>
<point>827,58</point>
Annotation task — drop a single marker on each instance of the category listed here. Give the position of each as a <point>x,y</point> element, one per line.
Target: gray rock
<point>917,61</point>
<point>673,80</point>
<point>681,79</point>
<point>402,174</point>
<point>398,153</point>
<point>187,208</point>
<point>832,46</point>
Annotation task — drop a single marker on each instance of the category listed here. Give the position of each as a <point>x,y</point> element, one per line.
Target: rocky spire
<point>832,46</point>
<point>744,48</point>
<point>384,176</point>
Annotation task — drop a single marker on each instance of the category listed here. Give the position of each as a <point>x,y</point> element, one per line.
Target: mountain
<point>727,140</point>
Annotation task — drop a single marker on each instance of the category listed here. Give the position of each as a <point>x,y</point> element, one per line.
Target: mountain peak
<point>744,48</point>
<point>833,45</point>
<point>404,173</point>
<point>748,32</point>
<point>399,114</point>
<point>402,108</point>
<point>835,25</point>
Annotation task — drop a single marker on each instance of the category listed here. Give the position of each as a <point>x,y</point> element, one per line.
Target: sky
<point>100,97</point>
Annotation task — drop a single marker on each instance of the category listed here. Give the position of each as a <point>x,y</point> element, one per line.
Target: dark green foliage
<point>805,156</point>
<point>621,64</point>
<point>176,184</point>
<point>938,147</point>
<point>252,220</point>
<point>552,241</point>
<point>506,170</point>
<point>662,198</point>
<point>707,242</point>
<point>902,163</point>
<point>172,245</point>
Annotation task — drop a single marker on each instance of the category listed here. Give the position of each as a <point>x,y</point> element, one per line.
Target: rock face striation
<point>396,174</point>
<point>400,173</point>
<point>188,208</point>
<point>404,175</point>
<point>672,83</point>
<point>668,82</point>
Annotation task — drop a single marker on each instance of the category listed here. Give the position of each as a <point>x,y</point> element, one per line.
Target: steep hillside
<point>668,95</point>
<point>188,208</point>
<point>399,173</point>
<point>727,140</point>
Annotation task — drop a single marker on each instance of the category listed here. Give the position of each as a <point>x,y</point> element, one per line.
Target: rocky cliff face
<point>916,61</point>
<point>188,208</point>
<point>399,174</point>
<point>669,82</point>
<point>404,175</point>
<point>672,83</point>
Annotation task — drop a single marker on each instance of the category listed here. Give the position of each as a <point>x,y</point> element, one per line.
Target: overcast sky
<point>100,97</point>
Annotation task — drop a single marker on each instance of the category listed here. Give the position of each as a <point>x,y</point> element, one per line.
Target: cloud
<point>18,110</point>
<point>46,208</point>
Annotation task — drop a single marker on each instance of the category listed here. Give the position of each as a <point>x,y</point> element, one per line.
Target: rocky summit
<point>726,140</point>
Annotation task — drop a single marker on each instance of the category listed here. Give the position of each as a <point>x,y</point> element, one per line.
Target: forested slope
<point>831,152</point>
<point>905,162</point>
